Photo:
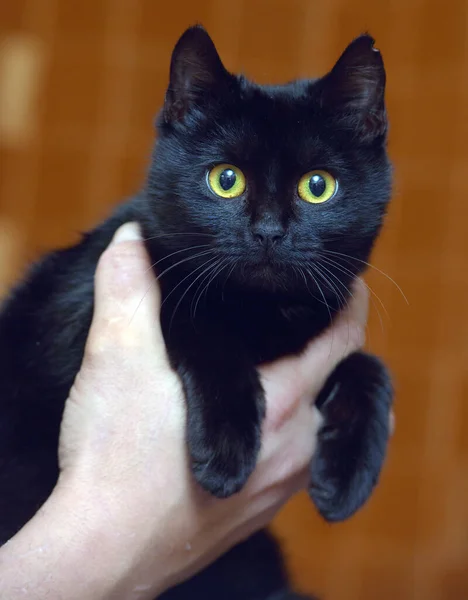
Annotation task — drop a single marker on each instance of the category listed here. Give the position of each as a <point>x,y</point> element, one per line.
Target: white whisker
<point>215,261</point>
<point>348,272</point>
<point>347,256</point>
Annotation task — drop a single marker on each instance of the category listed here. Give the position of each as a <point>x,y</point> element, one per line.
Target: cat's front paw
<point>352,442</point>
<point>225,410</point>
<point>223,461</point>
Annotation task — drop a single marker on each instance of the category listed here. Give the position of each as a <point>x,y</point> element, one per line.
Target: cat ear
<point>196,71</point>
<point>355,89</point>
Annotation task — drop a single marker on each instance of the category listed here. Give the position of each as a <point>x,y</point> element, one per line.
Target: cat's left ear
<point>354,89</point>
<point>196,75</point>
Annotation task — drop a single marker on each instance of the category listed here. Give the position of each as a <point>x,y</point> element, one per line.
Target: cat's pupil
<point>317,185</point>
<point>227,179</point>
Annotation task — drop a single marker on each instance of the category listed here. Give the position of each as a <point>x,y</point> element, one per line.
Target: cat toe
<point>223,470</point>
<point>215,481</point>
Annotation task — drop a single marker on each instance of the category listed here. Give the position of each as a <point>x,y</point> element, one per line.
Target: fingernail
<point>127,233</point>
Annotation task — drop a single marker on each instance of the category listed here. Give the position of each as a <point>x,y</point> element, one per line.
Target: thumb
<point>127,297</point>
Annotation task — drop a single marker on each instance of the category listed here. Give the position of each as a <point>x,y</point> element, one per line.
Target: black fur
<point>252,570</point>
<point>243,280</point>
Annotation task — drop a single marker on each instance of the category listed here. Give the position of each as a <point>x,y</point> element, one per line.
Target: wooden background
<point>80,81</point>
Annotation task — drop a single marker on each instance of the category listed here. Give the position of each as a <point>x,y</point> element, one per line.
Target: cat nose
<point>268,234</point>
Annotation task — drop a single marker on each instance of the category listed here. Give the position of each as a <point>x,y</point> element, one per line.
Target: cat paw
<point>355,403</point>
<point>223,464</point>
<point>225,410</point>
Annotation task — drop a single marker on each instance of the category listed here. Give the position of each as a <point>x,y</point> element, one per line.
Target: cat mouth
<point>267,255</point>
<point>264,262</point>
<point>266,268</point>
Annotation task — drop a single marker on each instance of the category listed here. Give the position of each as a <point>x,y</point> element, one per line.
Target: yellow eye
<point>317,187</point>
<point>226,181</point>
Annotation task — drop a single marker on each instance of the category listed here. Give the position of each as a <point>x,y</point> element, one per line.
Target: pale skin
<point>126,519</point>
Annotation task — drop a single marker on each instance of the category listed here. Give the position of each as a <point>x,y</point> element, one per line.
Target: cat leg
<point>355,403</point>
<point>225,409</point>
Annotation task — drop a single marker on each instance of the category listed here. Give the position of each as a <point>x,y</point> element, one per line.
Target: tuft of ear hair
<point>355,88</point>
<point>196,72</point>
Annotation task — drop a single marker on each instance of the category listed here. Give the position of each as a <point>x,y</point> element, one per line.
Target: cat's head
<point>277,187</point>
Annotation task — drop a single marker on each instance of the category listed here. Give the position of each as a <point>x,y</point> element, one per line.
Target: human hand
<point>125,485</point>
<point>123,429</point>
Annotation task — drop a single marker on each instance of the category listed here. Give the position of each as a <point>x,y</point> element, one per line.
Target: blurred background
<point>80,83</point>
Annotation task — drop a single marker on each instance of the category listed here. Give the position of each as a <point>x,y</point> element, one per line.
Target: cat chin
<point>266,277</point>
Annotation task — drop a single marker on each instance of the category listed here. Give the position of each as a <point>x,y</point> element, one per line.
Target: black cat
<point>261,206</point>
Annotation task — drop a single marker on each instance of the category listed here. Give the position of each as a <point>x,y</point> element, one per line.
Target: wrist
<point>111,544</point>
<point>70,549</point>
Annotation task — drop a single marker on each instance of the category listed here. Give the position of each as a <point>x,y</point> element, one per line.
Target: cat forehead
<point>294,89</point>
<point>285,99</point>
<point>271,118</point>
<point>266,142</point>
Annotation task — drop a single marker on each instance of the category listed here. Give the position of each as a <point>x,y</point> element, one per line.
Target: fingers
<point>303,377</point>
<point>392,422</point>
<point>127,297</point>
<point>346,335</point>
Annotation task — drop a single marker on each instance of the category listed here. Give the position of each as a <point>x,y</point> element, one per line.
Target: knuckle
<point>113,335</point>
<point>97,350</point>
<point>124,278</point>
<point>123,261</point>
<point>352,336</point>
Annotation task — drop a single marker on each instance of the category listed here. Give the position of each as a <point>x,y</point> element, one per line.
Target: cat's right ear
<point>196,73</point>
<point>354,89</point>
